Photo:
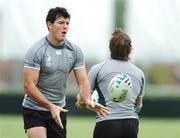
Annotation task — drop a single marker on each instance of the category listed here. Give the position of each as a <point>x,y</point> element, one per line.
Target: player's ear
<point>49,25</point>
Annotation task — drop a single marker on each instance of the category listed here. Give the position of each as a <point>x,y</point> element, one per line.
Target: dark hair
<point>57,12</point>
<point>120,45</point>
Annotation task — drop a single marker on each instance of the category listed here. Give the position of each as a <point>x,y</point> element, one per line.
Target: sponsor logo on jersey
<point>58,52</point>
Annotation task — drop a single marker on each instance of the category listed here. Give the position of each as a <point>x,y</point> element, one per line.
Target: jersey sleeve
<point>32,59</point>
<point>92,76</point>
<point>141,94</point>
<point>79,60</point>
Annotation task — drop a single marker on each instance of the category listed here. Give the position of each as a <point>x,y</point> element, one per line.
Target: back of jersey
<point>100,76</point>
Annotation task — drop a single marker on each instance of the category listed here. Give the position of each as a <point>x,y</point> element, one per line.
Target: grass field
<point>11,126</point>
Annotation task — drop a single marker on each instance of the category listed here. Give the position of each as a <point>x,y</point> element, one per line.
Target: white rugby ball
<point>119,87</point>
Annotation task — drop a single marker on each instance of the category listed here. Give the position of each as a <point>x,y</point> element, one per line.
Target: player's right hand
<point>80,102</point>
<point>55,112</point>
<point>94,106</point>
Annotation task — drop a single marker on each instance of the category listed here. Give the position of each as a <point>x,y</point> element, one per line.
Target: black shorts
<point>120,128</point>
<point>35,118</point>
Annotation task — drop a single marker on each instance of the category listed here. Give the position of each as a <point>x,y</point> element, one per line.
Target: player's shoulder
<point>38,45</point>
<point>98,66</point>
<point>71,45</point>
<point>138,69</point>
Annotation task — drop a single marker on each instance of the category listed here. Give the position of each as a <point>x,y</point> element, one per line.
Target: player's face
<point>59,29</point>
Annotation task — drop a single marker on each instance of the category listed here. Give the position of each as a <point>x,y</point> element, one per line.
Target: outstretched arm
<point>84,97</point>
<point>83,84</point>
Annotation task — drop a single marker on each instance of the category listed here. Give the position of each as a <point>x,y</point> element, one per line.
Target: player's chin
<point>63,35</point>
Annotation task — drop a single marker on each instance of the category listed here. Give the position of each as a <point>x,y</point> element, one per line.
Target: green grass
<point>11,126</point>
<point>159,128</point>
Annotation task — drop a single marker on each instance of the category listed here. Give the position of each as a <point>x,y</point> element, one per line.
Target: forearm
<point>35,94</point>
<point>84,90</point>
<point>30,79</point>
<point>139,104</point>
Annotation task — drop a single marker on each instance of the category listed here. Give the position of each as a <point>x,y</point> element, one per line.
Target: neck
<point>54,41</point>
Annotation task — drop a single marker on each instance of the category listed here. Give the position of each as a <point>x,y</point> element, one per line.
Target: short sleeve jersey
<point>54,64</point>
<point>100,76</point>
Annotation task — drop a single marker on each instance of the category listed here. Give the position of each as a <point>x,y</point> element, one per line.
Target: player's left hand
<point>94,106</point>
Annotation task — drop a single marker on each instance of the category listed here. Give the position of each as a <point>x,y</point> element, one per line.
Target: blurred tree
<point>119,13</point>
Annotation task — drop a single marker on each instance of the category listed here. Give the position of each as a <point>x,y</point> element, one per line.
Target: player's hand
<point>98,108</point>
<point>55,112</point>
<point>94,106</point>
<point>137,108</point>
<point>80,102</point>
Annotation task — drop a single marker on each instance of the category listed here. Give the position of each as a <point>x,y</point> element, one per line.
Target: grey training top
<point>54,64</point>
<point>100,76</point>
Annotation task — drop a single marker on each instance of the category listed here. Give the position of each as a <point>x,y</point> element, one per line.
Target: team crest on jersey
<point>70,59</point>
<point>48,60</point>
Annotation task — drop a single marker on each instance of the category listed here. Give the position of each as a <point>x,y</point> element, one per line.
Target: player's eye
<point>67,23</point>
<point>60,22</point>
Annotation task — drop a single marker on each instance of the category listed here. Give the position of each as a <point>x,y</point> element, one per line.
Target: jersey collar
<point>65,45</point>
